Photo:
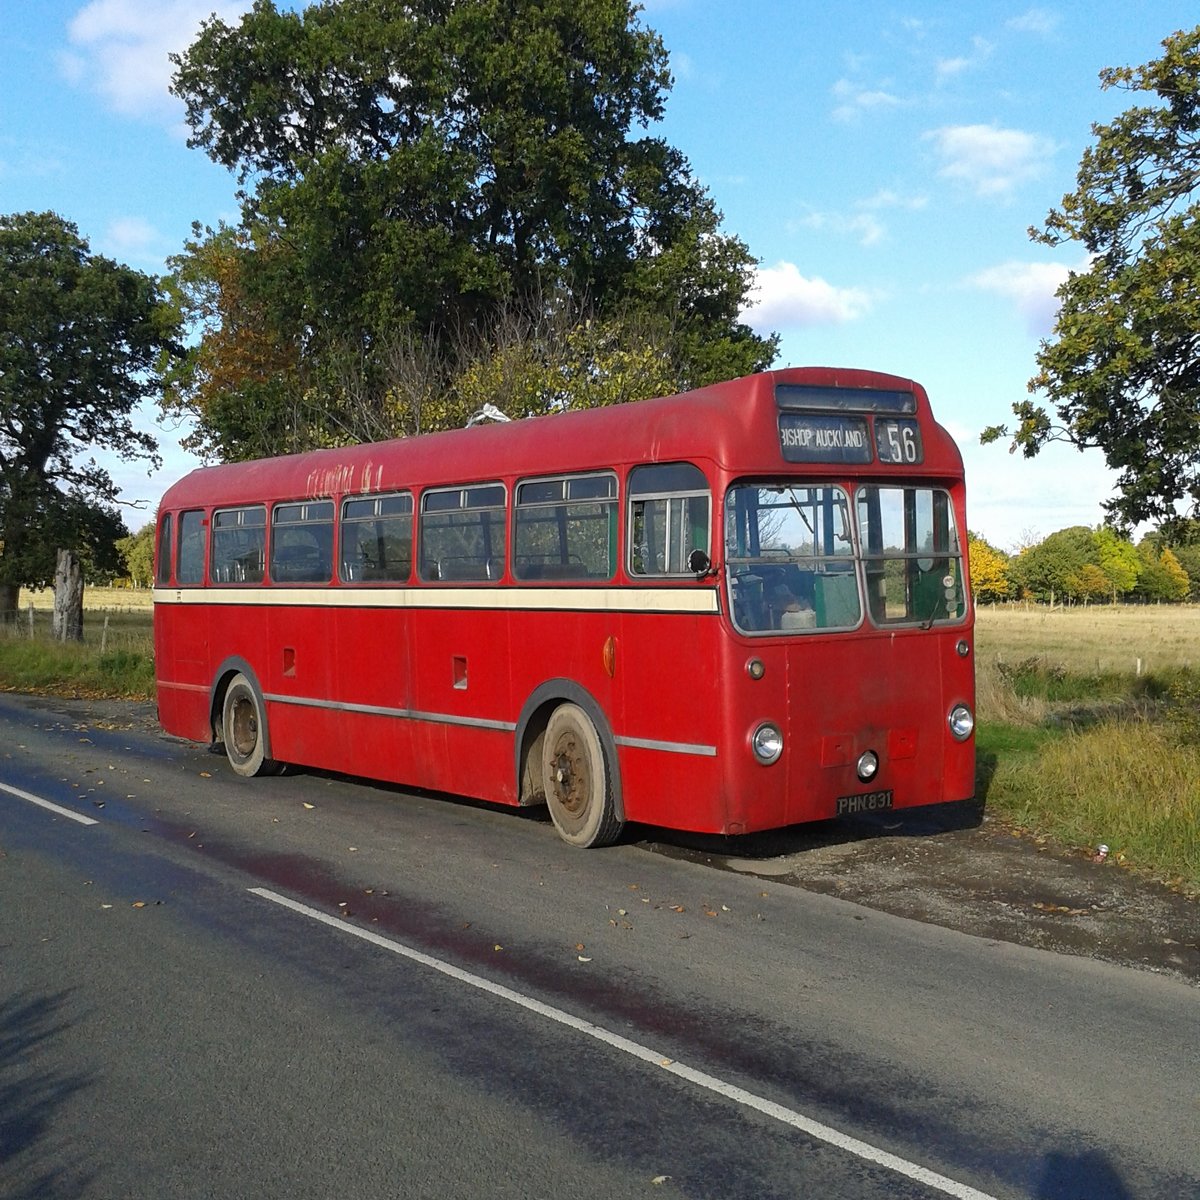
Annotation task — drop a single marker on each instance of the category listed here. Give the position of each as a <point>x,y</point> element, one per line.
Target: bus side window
<point>377,539</point>
<point>302,542</point>
<point>669,506</point>
<point>162,572</point>
<point>239,544</point>
<point>189,567</point>
<point>564,529</point>
<point>463,533</point>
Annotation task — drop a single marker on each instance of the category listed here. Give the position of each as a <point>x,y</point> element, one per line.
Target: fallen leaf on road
<point>659,1179</point>
<point>582,958</point>
<point>139,904</point>
<point>678,908</point>
<point>205,775</point>
<point>307,805</point>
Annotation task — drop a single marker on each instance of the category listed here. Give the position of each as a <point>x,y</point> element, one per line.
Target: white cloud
<point>1030,286</point>
<point>987,160</point>
<point>948,68</point>
<point>857,100</point>
<point>889,198</point>
<point>1035,20</point>
<point>866,228</point>
<point>119,49</point>
<point>785,299</point>
<point>134,240</point>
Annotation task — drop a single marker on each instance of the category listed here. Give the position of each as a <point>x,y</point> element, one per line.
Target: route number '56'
<point>898,441</point>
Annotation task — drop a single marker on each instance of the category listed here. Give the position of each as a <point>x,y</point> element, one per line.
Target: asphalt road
<point>318,987</point>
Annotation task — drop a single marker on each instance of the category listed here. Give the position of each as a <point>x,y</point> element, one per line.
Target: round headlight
<point>767,743</point>
<point>961,722</point>
<point>867,765</point>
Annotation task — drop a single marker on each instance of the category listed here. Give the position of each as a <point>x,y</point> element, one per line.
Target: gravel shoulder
<point>956,866</point>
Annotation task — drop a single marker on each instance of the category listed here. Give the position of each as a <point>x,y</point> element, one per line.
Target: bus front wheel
<point>576,780</point>
<point>243,730</point>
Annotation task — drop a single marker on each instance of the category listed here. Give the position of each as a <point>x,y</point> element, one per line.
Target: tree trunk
<point>68,598</point>
<point>10,595</point>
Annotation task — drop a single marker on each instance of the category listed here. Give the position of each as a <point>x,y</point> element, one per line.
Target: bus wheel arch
<point>239,718</point>
<point>567,759</point>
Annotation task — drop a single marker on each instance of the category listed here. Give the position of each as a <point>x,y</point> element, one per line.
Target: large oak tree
<point>80,340</point>
<point>420,178</point>
<point>1122,370</point>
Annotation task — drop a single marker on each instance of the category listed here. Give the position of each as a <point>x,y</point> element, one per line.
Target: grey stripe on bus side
<point>477,723</point>
<point>669,747</point>
<point>402,713</point>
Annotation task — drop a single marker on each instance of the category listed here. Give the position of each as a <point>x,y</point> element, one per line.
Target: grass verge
<point>1103,761</point>
<point>122,668</point>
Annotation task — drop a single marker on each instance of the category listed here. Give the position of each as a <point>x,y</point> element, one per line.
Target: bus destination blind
<point>824,438</point>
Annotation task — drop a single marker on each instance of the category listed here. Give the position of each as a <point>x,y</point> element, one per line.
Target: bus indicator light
<point>755,668</point>
<point>609,656</point>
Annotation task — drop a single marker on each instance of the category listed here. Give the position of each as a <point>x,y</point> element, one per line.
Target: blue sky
<point>883,161</point>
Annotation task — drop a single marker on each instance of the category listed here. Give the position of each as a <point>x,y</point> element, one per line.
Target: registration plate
<point>866,802</point>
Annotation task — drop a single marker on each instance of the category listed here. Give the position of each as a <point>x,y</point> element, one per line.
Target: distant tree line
<point>1090,566</point>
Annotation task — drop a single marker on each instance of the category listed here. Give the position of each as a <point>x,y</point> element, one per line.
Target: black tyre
<point>576,779</point>
<point>244,729</point>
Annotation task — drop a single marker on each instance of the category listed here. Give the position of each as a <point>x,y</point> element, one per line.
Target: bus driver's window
<point>668,518</point>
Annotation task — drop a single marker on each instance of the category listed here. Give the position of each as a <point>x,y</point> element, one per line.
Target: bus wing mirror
<point>699,563</point>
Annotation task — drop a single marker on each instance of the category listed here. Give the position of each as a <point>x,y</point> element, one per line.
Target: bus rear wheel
<point>576,780</point>
<point>243,730</point>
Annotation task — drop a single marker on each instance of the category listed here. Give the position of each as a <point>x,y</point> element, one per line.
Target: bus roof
<point>732,424</point>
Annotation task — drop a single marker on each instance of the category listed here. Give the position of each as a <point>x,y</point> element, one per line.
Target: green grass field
<point>1089,718</point>
<point>1089,730</point>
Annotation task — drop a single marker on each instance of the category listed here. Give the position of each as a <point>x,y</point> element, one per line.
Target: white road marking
<point>54,808</point>
<point>797,1120</point>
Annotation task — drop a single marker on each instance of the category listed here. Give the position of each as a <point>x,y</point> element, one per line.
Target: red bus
<point>731,610</point>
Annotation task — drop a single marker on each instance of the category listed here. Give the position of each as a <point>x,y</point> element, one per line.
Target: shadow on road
<point>925,821</point>
<point>31,1095</point>
<point>1069,1174</point>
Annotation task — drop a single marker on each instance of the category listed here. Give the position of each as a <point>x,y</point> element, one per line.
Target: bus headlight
<point>767,743</point>
<point>961,722</point>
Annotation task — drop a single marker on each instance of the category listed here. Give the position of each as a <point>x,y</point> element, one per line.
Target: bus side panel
<point>372,671</point>
<point>670,693</point>
<point>181,669</point>
<point>462,689</point>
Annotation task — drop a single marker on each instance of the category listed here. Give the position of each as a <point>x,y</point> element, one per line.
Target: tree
<point>1122,370</point>
<point>989,570</point>
<point>417,174</point>
<point>1053,567</point>
<point>1118,558</point>
<point>1088,583</point>
<point>1162,577</point>
<point>80,340</point>
<point>137,555</point>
